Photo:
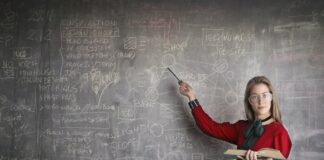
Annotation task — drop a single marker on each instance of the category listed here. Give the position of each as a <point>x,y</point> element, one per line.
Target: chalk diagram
<point>15,118</point>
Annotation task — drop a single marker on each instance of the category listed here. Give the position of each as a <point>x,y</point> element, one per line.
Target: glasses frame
<point>260,97</point>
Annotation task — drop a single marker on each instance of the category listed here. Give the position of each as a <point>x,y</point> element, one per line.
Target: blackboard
<point>87,79</point>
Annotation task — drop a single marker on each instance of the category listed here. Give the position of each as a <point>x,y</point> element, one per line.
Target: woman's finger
<point>247,156</point>
<point>184,87</point>
<point>182,90</point>
<point>254,154</point>
<point>181,82</point>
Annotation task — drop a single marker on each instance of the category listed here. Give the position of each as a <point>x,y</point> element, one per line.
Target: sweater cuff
<point>194,103</point>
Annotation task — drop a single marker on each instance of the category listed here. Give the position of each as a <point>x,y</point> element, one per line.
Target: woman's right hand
<point>186,90</point>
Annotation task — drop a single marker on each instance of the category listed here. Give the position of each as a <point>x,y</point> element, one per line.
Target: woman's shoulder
<point>277,127</point>
<point>241,123</point>
<point>244,122</point>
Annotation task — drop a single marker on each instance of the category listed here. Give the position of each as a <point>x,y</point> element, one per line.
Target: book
<point>262,153</point>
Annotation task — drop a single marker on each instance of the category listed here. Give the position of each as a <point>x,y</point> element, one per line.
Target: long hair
<point>274,110</point>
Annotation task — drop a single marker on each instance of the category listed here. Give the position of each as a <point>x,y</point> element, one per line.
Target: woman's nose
<point>261,100</point>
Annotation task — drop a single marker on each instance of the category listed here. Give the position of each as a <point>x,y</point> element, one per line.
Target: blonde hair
<point>274,110</point>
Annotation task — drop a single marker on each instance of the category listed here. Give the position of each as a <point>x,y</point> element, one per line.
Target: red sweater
<point>274,135</point>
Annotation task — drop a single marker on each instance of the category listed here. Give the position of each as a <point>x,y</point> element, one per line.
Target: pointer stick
<point>174,75</point>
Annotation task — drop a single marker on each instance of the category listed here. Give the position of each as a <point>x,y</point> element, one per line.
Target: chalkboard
<point>87,79</point>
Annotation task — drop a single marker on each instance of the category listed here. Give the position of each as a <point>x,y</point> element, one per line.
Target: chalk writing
<point>40,14</point>
<point>7,69</point>
<point>39,35</point>
<point>22,52</point>
<point>88,23</point>
<point>89,32</point>
<point>219,37</point>
<point>6,41</point>
<point>126,113</point>
<point>130,43</point>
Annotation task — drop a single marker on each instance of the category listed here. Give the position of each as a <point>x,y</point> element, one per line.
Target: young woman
<point>263,127</point>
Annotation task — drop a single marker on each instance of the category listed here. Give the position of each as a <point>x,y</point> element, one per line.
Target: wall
<point>83,79</point>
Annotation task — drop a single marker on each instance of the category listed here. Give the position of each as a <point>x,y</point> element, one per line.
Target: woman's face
<point>260,99</point>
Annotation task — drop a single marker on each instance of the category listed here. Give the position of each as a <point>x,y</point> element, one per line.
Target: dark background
<point>87,79</point>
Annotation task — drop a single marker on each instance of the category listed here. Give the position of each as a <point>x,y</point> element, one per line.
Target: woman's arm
<point>282,142</point>
<point>223,131</point>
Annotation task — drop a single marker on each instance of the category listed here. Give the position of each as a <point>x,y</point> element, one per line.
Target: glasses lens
<point>268,96</point>
<point>252,98</point>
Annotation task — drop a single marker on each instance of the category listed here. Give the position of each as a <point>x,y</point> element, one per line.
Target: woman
<point>262,129</point>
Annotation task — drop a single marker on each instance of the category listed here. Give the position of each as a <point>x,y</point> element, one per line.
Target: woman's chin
<point>262,113</point>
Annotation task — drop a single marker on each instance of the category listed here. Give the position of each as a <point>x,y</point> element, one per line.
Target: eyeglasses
<point>263,96</point>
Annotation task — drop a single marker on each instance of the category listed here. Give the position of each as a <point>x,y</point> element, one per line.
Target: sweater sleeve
<point>282,143</point>
<point>223,131</point>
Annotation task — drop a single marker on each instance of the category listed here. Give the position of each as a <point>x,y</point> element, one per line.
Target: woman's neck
<point>262,117</point>
<point>266,119</point>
